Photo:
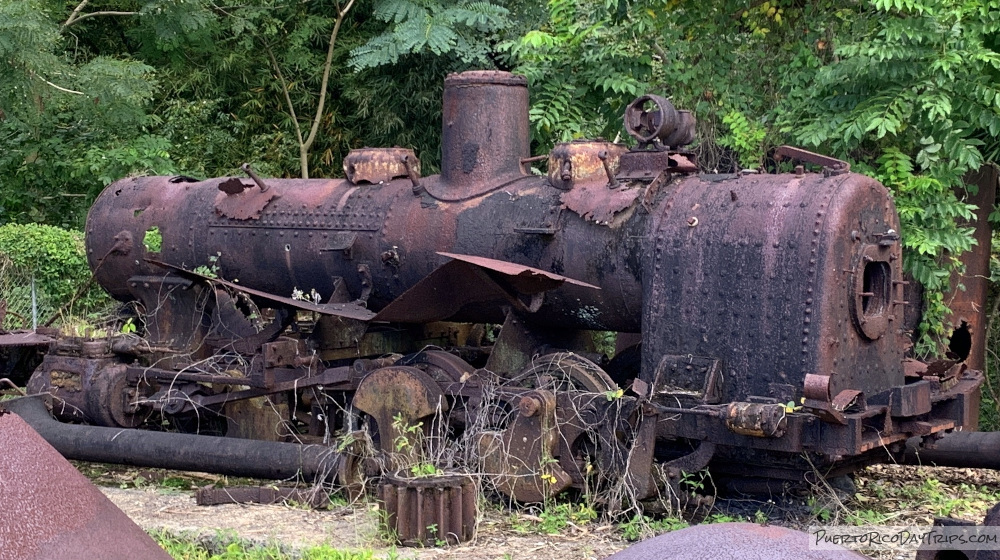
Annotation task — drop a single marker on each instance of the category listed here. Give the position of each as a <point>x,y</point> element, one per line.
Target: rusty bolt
<point>566,171</point>
<point>391,257</point>
<point>305,361</point>
<point>529,406</point>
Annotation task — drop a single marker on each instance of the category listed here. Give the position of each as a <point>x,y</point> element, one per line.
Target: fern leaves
<point>583,69</point>
<point>419,26</point>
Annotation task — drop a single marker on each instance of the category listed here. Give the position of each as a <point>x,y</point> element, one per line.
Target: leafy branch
<point>305,144</point>
<point>913,100</point>
<point>463,30</point>
<point>76,16</point>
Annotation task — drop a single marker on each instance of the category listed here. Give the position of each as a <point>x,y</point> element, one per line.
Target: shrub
<point>55,258</point>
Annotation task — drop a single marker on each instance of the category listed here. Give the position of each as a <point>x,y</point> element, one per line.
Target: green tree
<point>465,30</point>
<point>306,142</point>
<point>584,64</point>
<point>259,83</point>
<point>913,100</point>
<point>71,120</point>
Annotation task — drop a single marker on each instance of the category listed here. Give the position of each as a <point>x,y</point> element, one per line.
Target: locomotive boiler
<point>758,317</point>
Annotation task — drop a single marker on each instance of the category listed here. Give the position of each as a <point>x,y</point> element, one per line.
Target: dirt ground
<point>888,494</point>
<point>349,527</point>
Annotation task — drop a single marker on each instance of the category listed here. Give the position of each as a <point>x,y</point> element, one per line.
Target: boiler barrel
<point>303,234</point>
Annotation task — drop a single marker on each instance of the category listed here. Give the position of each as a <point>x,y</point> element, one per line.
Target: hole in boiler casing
<point>876,289</point>
<point>960,342</point>
<point>152,239</point>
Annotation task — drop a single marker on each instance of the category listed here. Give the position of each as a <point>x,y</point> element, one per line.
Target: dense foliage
<point>915,101</point>
<point>98,89</point>
<point>54,260</point>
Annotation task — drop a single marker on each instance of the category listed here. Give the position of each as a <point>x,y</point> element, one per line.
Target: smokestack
<point>485,131</point>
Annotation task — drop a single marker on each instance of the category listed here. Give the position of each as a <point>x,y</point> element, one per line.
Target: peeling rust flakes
<point>594,201</point>
<point>246,205</point>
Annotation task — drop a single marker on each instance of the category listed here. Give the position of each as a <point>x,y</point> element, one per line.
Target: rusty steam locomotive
<point>759,316</point>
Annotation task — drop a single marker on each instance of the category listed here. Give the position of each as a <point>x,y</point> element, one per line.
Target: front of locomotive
<point>773,328</point>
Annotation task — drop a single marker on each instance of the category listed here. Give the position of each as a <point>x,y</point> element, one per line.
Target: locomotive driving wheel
<point>399,410</point>
<point>440,365</point>
<point>589,419</point>
<point>564,371</point>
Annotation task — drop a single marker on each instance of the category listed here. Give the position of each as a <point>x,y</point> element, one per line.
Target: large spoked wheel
<point>440,365</point>
<point>589,417</point>
<point>564,371</point>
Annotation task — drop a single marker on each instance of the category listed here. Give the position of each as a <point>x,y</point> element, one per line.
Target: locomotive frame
<point>759,317</point>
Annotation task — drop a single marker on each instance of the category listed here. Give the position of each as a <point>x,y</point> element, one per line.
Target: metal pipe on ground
<point>186,452</point>
<point>975,450</point>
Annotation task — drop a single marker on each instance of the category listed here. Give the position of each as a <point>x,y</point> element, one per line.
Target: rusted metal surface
<point>315,498</point>
<point>25,338</point>
<point>484,134</point>
<point>817,387</point>
<point>344,227</point>
<point>564,371</point>
<point>88,388</point>
<point>171,302</point>
<point>467,282</point>
<point>912,399</point>
<point>757,420</point>
<point>643,165</point>
<point>380,165</point>
<point>977,450</point>
<point>849,399</point>
<point>595,202</point>
<point>757,282</point>
<point>429,511</point>
<point>690,379</point>
<point>967,305</point>
<point>579,162</point>
<point>519,459</point>
<point>652,119</point>
<point>346,310</point>
<point>264,187</point>
<point>527,279</point>
<point>992,519</point>
<point>245,204</point>
<point>53,511</point>
<point>833,165</point>
<point>398,398</point>
<point>737,541</point>
<point>769,307</point>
